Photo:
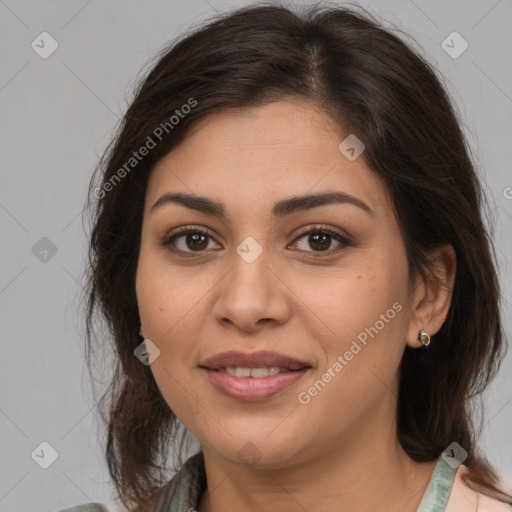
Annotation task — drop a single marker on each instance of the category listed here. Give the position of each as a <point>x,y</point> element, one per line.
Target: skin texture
<point>339,451</point>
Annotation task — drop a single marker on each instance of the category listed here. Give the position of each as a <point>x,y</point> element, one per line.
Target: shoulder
<point>463,498</point>
<point>86,507</point>
<point>182,492</point>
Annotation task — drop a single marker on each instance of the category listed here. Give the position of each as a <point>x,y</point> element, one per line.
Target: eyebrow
<point>280,209</point>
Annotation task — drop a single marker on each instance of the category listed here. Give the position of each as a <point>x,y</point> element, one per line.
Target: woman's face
<point>276,344</point>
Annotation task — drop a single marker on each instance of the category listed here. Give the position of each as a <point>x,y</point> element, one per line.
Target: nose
<point>251,296</point>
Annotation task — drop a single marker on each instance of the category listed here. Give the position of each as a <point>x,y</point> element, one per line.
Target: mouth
<point>252,377</point>
<point>255,360</point>
<point>256,373</point>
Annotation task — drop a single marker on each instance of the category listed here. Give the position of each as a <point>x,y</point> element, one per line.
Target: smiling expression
<point>265,252</point>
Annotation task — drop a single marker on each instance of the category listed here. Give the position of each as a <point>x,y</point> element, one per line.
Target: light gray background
<point>56,117</point>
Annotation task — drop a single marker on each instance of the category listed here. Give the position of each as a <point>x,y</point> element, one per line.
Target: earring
<point>140,332</point>
<point>424,338</point>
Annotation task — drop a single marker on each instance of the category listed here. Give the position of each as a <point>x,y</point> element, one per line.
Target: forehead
<point>277,150</point>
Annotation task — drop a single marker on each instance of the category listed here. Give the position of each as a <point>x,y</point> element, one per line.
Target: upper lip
<point>234,359</point>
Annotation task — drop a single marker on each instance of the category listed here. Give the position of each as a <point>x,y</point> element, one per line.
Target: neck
<point>369,471</point>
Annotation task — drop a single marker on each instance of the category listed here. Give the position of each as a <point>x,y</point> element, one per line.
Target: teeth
<point>256,373</point>
<point>243,372</point>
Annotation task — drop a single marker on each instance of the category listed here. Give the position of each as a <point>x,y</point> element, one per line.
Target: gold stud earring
<point>424,338</point>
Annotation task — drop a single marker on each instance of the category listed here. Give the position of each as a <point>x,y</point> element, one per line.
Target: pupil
<point>324,245</point>
<point>196,237</point>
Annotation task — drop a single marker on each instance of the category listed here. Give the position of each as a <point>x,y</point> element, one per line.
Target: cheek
<point>169,306</point>
<point>357,298</point>
<point>165,297</point>
<point>362,352</point>
<point>365,311</point>
<point>160,313</point>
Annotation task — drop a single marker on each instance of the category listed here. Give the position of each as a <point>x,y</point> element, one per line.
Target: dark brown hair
<point>370,83</point>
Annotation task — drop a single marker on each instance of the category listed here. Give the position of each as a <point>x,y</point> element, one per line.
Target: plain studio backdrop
<point>60,101</point>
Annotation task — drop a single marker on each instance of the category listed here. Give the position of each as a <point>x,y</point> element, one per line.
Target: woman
<point>290,219</point>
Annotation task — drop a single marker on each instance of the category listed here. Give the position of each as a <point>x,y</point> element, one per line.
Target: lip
<point>253,360</point>
<point>252,389</point>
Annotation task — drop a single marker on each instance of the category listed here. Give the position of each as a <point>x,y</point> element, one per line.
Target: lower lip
<point>252,389</point>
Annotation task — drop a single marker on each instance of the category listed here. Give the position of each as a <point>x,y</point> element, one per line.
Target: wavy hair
<point>370,82</point>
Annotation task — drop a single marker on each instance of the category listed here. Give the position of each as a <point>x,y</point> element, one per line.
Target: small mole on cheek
<point>358,277</point>
<point>160,308</point>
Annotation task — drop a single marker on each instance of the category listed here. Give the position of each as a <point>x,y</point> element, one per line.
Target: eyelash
<point>168,241</point>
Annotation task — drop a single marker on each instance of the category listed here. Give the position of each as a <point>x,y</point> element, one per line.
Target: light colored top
<point>446,492</point>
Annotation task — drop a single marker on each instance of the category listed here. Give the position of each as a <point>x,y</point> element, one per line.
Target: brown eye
<point>187,240</point>
<point>317,240</point>
<point>320,241</point>
<point>196,241</point>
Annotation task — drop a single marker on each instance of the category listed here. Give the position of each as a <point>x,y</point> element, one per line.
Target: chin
<point>257,451</point>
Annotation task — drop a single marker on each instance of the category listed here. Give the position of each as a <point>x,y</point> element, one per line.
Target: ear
<point>432,295</point>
